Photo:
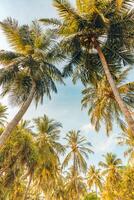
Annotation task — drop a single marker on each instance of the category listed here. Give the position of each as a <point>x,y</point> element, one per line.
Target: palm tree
<point>48,134</point>
<point>28,72</point>
<point>32,159</point>
<point>79,149</point>
<point>101,102</point>
<point>127,139</point>
<point>21,161</point>
<point>111,169</point>
<point>47,137</point>
<point>94,178</point>
<point>111,165</point>
<point>95,33</point>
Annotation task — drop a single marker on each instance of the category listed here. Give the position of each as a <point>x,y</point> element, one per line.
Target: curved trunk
<point>17,118</point>
<point>122,105</point>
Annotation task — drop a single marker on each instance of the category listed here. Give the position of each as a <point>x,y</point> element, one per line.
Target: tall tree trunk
<point>122,105</point>
<point>17,118</point>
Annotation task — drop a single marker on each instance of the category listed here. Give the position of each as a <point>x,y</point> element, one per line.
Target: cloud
<point>87,127</point>
<point>104,146</point>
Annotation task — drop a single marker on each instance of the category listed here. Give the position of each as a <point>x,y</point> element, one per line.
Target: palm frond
<point>52,21</point>
<point>7,57</point>
<point>13,33</point>
<point>65,9</point>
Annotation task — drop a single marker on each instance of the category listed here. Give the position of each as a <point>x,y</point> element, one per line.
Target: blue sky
<point>64,106</point>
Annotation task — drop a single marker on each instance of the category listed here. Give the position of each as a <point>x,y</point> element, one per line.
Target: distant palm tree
<point>111,165</point>
<point>48,134</point>
<point>20,163</point>
<point>101,102</point>
<point>47,137</point>
<point>28,72</point>
<point>94,178</point>
<point>79,149</point>
<point>111,168</point>
<point>96,37</point>
<point>127,139</point>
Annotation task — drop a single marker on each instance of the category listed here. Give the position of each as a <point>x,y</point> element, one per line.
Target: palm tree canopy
<point>127,138</point>
<point>47,136</point>
<point>48,131</point>
<point>79,149</point>
<point>32,60</point>
<point>94,177</point>
<point>101,102</point>
<point>21,156</point>
<point>94,19</point>
<point>111,164</point>
<point>96,38</point>
<point>32,152</point>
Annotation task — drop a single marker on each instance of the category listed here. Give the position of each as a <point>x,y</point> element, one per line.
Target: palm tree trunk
<point>28,186</point>
<point>17,118</point>
<point>96,190</point>
<point>74,174</point>
<point>122,105</point>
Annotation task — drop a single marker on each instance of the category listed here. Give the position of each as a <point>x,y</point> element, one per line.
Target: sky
<point>65,106</point>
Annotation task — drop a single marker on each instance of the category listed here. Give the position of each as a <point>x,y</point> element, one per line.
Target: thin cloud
<point>105,146</point>
<point>87,127</point>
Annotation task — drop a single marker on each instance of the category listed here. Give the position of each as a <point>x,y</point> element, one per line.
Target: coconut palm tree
<point>79,149</point>
<point>21,160</point>
<point>94,178</point>
<point>48,134</point>
<point>111,169</point>
<point>32,159</point>
<point>111,165</point>
<point>127,139</point>
<point>28,72</point>
<point>101,102</point>
<point>47,137</point>
<point>95,34</point>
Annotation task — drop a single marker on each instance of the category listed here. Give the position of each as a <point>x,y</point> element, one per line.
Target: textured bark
<point>8,130</point>
<point>120,102</point>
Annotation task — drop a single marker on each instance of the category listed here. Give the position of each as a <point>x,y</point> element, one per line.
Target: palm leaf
<point>65,10</point>
<point>7,57</point>
<point>11,30</point>
<point>51,21</point>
